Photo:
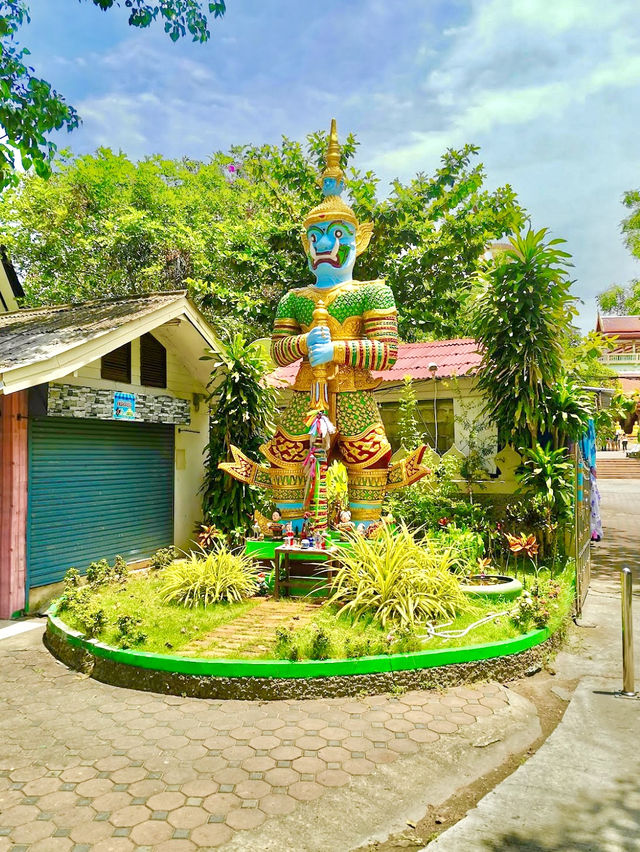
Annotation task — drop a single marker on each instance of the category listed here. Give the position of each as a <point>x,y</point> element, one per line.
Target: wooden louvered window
<point>153,362</point>
<point>116,365</point>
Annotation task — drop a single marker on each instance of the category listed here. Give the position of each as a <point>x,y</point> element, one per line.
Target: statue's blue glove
<point>319,345</point>
<point>320,353</point>
<point>319,334</point>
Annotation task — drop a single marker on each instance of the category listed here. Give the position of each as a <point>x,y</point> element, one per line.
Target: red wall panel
<point>13,501</point>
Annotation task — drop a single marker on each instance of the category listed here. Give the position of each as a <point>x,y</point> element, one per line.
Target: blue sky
<point>550,90</point>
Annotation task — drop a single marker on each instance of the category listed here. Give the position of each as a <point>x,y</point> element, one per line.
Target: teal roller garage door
<point>97,488</point>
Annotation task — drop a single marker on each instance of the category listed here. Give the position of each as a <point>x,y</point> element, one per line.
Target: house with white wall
<point>103,424</point>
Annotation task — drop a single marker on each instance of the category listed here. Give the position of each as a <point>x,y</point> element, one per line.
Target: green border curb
<point>285,669</point>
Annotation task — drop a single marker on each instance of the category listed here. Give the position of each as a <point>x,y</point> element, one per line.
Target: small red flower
<point>444,522</point>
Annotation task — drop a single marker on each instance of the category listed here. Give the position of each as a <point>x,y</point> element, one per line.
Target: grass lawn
<point>168,627</point>
<point>503,627</point>
<point>290,629</point>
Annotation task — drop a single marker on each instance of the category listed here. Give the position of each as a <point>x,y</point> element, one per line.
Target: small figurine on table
<point>275,527</point>
<point>306,526</point>
<point>346,524</point>
<point>289,536</point>
<point>257,532</point>
<point>361,529</point>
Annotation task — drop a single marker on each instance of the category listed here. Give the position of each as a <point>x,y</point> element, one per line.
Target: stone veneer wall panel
<point>97,404</point>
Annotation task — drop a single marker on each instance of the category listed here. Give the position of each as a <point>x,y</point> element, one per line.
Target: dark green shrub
<point>72,579</point>
<point>162,558</point>
<point>98,573</point>
<point>320,643</point>
<point>120,568</point>
<point>129,633</point>
<point>284,637</point>
<point>93,619</point>
<point>357,647</point>
<point>294,653</point>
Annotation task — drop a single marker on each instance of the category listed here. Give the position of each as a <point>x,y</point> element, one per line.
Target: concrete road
<point>581,790</point>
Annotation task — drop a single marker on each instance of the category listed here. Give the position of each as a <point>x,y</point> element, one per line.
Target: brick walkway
<point>85,766</point>
<point>243,633</point>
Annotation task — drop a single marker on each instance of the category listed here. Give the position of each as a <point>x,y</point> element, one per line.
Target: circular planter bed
<point>282,679</point>
<point>492,586</point>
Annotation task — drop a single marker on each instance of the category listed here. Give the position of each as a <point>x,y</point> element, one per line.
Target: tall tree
<point>31,109</point>
<point>229,229</point>
<point>626,299</point>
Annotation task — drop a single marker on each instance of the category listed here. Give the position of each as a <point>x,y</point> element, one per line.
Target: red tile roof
<point>458,357</point>
<point>625,326</point>
<point>630,383</point>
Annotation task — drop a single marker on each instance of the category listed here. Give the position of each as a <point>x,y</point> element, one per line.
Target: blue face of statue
<point>332,252</point>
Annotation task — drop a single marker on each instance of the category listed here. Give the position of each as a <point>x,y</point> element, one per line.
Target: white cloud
<point>497,70</point>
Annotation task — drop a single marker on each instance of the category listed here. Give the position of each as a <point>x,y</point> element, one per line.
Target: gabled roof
<point>619,325</point>
<point>12,275</point>
<point>43,344</point>
<point>458,357</point>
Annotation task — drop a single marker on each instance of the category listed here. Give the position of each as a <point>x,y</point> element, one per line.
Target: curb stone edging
<point>282,679</point>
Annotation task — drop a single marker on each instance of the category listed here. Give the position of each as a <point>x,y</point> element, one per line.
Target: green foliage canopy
<point>30,108</point>
<point>229,229</point>
<point>179,17</point>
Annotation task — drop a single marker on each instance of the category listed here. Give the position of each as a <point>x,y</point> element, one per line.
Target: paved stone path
<point>243,633</point>
<point>86,766</point>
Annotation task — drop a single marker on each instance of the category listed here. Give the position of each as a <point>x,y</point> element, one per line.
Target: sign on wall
<point>124,406</point>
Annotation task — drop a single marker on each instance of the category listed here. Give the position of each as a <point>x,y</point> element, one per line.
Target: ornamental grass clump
<point>396,580</point>
<point>207,578</point>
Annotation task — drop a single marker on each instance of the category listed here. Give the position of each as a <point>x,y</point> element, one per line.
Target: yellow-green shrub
<point>206,578</point>
<point>400,583</point>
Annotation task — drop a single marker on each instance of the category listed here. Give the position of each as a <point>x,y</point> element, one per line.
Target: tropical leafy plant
<point>521,320</point>
<point>549,473</point>
<point>207,578</point>
<point>244,408</point>
<point>422,506</point>
<point>568,411</point>
<point>394,579</point>
<point>465,546</point>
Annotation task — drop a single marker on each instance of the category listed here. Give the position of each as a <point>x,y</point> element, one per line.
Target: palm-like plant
<point>521,319</point>
<point>549,472</point>
<point>244,408</point>
<point>397,581</point>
